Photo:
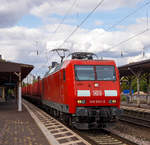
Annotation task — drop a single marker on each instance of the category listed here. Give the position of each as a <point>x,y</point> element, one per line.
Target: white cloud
<point>141,24</point>
<point>61,6</point>
<point>18,43</point>
<point>138,58</point>
<point>12,11</point>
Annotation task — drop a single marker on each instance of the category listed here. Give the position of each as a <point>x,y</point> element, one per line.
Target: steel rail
<point>135,120</point>
<point>104,137</point>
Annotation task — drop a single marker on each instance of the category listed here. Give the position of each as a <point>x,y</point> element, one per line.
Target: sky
<point>116,29</point>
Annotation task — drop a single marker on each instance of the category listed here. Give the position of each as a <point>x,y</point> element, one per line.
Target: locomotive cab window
<point>105,73</point>
<point>83,73</point>
<point>95,72</point>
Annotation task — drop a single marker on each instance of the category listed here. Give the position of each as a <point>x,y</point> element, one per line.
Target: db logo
<point>97,93</point>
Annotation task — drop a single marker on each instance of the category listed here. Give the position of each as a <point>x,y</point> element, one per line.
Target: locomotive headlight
<point>112,101</point>
<point>96,85</point>
<point>81,101</point>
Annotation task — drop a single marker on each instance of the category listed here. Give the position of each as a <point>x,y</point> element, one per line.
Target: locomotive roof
<point>92,61</point>
<point>65,63</point>
<point>88,62</point>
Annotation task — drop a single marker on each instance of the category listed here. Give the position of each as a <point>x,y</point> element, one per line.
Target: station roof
<point>8,70</point>
<point>137,67</point>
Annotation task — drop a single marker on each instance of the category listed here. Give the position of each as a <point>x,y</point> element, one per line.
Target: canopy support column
<point>130,88</point>
<point>138,90</point>
<point>148,90</point>
<point>19,92</point>
<point>137,74</point>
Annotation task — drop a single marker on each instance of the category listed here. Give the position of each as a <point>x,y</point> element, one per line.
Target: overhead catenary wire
<point>64,17</point>
<point>127,16</point>
<point>61,22</point>
<point>147,20</point>
<point>147,27</point>
<point>140,33</point>
<point>124,18</point>
<point>120,21</point>
<point>82,22</point>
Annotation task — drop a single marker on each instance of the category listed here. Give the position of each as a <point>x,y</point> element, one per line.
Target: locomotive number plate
<point>96,101</point>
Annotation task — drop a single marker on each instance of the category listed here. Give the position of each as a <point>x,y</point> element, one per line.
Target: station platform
<point>33,126</point>
<point>143,110</point>
<point>18,128</point>
<point>144,106</point>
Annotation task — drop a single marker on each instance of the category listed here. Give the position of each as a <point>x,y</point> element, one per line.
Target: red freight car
<point>83,92</point>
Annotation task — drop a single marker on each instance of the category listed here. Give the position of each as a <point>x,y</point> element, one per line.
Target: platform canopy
<point>9,71</point>
<point>136,70</point>
<point>142,67</point>
<point>11,75</point>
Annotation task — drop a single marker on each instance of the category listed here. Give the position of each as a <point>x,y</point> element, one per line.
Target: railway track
<point>135,120</point>
<point>104,137</point>
<point>63,135</point>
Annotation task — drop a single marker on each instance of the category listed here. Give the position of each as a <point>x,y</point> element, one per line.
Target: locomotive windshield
<point>105,73</point>
<point>91,72</point>
<point>84,72</point>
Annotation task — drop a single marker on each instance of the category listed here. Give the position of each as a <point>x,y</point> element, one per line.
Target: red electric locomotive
<point>82,91</point>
